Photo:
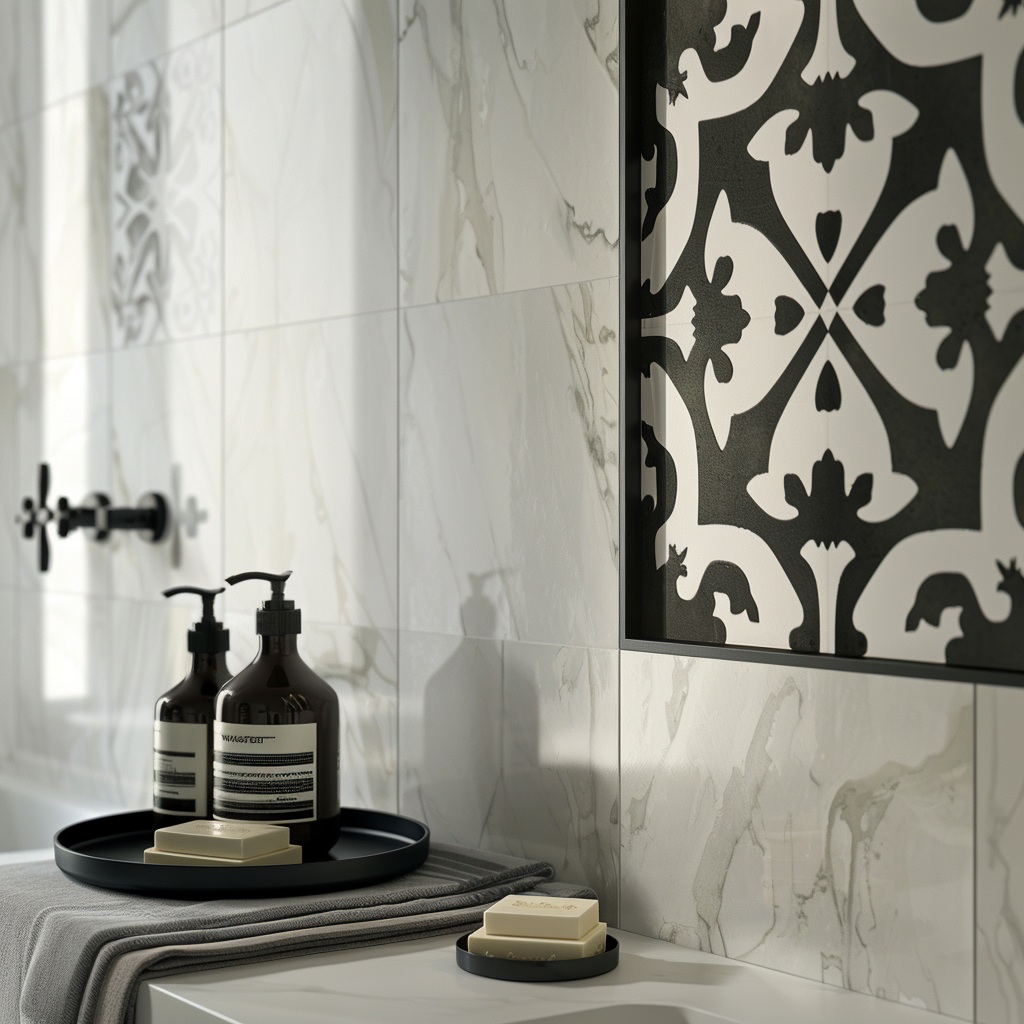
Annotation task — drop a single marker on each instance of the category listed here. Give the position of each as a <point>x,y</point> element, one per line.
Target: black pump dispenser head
<point>277,617</point>
<point>207,636</point>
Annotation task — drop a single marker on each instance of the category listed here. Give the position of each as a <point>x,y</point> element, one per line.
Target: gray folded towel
<point>74,953</point>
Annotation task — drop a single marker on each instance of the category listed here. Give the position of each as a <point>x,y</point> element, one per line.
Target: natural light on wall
<point>65,269</point>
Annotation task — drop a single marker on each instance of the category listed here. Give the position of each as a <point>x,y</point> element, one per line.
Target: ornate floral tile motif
<point>165,145</point>
<point>833,324</point>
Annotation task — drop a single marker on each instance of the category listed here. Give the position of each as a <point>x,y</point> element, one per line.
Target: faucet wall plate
<point>151,517</point>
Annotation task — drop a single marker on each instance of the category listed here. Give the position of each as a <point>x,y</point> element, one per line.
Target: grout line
<point>223,305</point>
<point>254,328</point>
<point>974,865</point>
<point>398,412</point>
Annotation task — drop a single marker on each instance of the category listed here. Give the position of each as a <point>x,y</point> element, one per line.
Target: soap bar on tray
<point>541,917</point>
<point>523,947</point>
<point>238,840</point>
<point>288,855</point>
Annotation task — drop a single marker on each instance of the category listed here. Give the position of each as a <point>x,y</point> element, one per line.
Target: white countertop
<point>412,982</point>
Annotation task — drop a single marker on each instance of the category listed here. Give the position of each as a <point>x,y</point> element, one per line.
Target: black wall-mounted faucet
<point>151,516</point>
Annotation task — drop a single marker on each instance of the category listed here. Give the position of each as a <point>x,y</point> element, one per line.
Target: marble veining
<point>166,429</point>
<point>323,396</point>
<point>504,398</point>
<point>310,162</point>
<point>538,725</point>
<point>509,141</point>
<point>817,823</point>
<point>999,935</point>
<point>166,201</point>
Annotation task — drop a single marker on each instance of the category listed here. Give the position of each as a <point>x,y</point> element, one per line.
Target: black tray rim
<point>192,882</point>
<point>531,970</point>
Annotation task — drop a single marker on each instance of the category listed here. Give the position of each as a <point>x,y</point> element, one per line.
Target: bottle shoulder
<point>192,692</point>
<point>277,680</point>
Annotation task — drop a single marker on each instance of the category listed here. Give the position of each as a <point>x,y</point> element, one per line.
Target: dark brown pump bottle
<point>183,723</point>
<point>275,738</point>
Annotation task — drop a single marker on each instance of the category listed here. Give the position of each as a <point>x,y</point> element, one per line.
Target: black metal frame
<point>631,631</point>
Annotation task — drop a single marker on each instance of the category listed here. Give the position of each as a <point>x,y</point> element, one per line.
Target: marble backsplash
<point>340,278</point>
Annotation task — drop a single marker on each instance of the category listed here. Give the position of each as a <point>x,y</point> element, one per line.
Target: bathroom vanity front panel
<point>142,30</point>
<point>509,146</point>
<point>509,466</point>
<point>1000,856</point>
<point>166,183</point>
<point>513,747</point>
<point>818,823</point>
<point>310,162</point>
<point>166,437</point>
<point>311,465</point>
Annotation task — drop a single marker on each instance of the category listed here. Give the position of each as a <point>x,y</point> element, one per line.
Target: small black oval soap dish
<point>537,970</point>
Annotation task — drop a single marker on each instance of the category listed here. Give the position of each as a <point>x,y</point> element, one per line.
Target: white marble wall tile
<point>10,499</point>
<point>509,146</point>
<point>8,660</point>
<point>11,239</point>
<point>311,465</point>
<point>70,717</point>
<point>142,30</point>
<point>63,416</point>
<point>513,747</point>
<point>166,168</point>
<point>50,51</point>
<point>64,275</point>
<point>999,938</point>
<point>509,466</point>
<point>310,162</point>
<point>817,823</point>
<point>235,10</point>
<point>559,794</point>
<point>450,732</point>
<point>166,437</point>
<point>361,664</point>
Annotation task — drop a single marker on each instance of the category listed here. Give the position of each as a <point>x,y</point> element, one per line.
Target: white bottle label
<point>180,768</point>
<point>264,772</point>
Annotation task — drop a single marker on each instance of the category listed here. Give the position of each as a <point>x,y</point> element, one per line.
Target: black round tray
<point>533,970</point>
<point>108,852</point>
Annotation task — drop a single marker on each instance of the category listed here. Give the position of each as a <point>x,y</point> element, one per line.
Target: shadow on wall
<point>462,765</point>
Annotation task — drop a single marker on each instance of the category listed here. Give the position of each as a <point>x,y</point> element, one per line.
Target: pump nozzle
<point>207,636</point>
<point>206,595</point>
<point>277,580</point>
<point>277,617</point>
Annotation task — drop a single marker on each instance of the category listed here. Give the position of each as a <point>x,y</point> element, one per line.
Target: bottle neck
<point>278,646</point>
<point>206,664</point>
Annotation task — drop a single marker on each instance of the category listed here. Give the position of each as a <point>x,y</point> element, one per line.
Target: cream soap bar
<point>523,947</point>
<point>237,839</point>
<point>289,855</point>
<point>541,917</point>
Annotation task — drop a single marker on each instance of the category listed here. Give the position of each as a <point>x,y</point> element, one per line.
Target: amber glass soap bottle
<point>183,723</point>
<point>275,738</point>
